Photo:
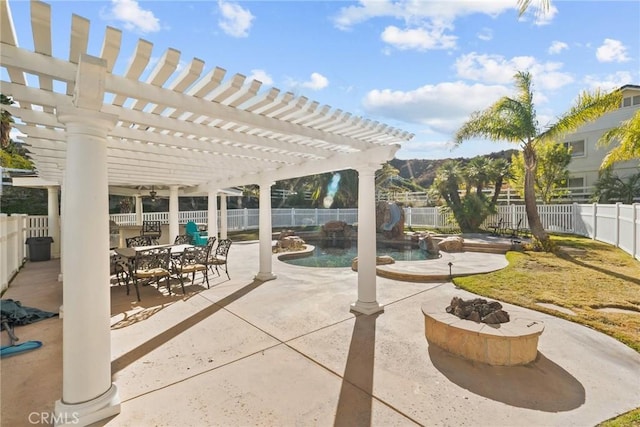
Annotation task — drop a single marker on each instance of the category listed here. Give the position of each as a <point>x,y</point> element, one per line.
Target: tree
<point>628,137</point>
<point>610,188</point>
<point>514,120</point>
<point>523,5</point>
<point>472,207</point>
<point>551,174</point>
<point>6,122</point>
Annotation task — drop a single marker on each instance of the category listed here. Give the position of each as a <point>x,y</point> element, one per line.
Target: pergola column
<point>53,216</point>
<point>174,213</point>
<point>212,213</point>
<point>88,395</point>
<point>223,215</point>
<point>138,209</point>
<point>62,233</point>
<point>366,303</point>
<point>264,233</point>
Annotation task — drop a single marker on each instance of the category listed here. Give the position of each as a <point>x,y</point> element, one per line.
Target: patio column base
<point>85,413</point>
<point>263,277</point>
<point>367,307</point>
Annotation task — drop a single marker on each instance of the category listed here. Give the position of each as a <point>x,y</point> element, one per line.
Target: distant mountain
<point>423,171</point>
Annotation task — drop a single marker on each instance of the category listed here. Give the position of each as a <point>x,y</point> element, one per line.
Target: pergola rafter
<point>194,111</point>
<point>91,130</point>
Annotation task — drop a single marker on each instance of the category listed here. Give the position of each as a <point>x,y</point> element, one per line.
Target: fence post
<point>408,216</point>
<point>337,214</point>
<point>616,232</point>
<point>293,217</point>
<point>316,213</point>
<point>635,250</point>
<point>245,221</point>
<point>574,217</point>
<point>595,221</point>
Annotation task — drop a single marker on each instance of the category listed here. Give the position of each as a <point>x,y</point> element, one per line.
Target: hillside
<point>423,171</point>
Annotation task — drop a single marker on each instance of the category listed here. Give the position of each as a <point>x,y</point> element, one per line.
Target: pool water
<point>342,257</point>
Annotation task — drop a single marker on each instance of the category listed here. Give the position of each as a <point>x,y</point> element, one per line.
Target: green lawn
<point>584,276</point>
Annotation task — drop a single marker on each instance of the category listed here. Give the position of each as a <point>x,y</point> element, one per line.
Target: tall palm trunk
<point>530,165</point>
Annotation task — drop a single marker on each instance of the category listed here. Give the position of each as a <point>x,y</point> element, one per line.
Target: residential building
<point>587,156</point>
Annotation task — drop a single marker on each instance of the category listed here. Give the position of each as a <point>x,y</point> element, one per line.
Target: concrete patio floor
<point>289,352</point>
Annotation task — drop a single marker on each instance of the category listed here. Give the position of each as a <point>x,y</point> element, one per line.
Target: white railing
<point>13,234</point>
<point>617,224</point>
<point>507,196</point>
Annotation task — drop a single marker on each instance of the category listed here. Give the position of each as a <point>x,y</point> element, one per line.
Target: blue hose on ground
<point>10,350</point>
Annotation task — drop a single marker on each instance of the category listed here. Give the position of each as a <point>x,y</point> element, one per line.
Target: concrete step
<point>493,248</point>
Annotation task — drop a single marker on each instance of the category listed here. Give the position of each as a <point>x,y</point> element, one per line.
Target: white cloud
<point>486,34</point>
<point>414,12</point>
<point>557,47</point>
<point>261,76</point>
<point>540,17</point>
<point>133,17</point>
<point>545,18</point>
<point>610,82</point>
<point>317,82</point>
<point>425,22</point>
<point>417,38</point>
<point>612,51</point>
<point>442,107</point>
<point>498,69</point>
<point>236,20</point>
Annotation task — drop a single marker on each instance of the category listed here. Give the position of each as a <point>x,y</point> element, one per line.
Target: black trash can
<point>39,248</point>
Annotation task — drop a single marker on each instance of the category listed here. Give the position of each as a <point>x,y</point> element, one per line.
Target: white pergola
<point>186,132</point>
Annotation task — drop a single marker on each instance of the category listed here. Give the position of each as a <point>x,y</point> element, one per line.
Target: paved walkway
<point>289,352</point>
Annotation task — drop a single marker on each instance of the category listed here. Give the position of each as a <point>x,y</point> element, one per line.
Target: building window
<point>576,182</point>
<point>626,102</point>
<point>577,148</point>
<point>636,100</point>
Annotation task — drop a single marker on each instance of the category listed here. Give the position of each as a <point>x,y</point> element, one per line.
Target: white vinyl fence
<point>618,224</point>
<point>13,251</point>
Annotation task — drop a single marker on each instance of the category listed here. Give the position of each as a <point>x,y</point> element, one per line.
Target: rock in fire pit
<point>478,310</point>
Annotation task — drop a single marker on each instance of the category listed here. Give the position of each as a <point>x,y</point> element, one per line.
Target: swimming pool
<point>341,257</point>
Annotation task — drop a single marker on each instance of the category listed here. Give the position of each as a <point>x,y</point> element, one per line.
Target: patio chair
<point>136,241</point>
<point>520,231</point>
<point>197,238</point>
<point>211,241</point>
<point>515,230</point>
<point>151,265</point>
<point>193,259</point>
<point>151,228</point>
<point>119,267</point>
<point>218,258</point>
<point>114,234</point>
<point>496,227</point>
<point>182,239</point>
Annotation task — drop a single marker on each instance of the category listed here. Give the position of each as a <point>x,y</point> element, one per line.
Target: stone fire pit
<point>514,342</point>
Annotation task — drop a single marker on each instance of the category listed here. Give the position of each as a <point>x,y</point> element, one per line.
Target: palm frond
<point>523,5</point>
<point>588,107</point>
<point>627,135</point>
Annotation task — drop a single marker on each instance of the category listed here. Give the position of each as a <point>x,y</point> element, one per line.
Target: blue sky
<point>422,66</point>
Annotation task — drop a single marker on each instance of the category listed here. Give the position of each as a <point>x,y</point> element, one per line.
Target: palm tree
<point>610,188</point>
<point>471,208</point>
<point>523,5</point>
<point>628,137</point>
<point>6,122</point>
<point>514,120</point>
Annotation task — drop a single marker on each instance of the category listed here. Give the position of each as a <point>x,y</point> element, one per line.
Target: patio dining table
<point>130,253</point>
<point>129,256</point>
